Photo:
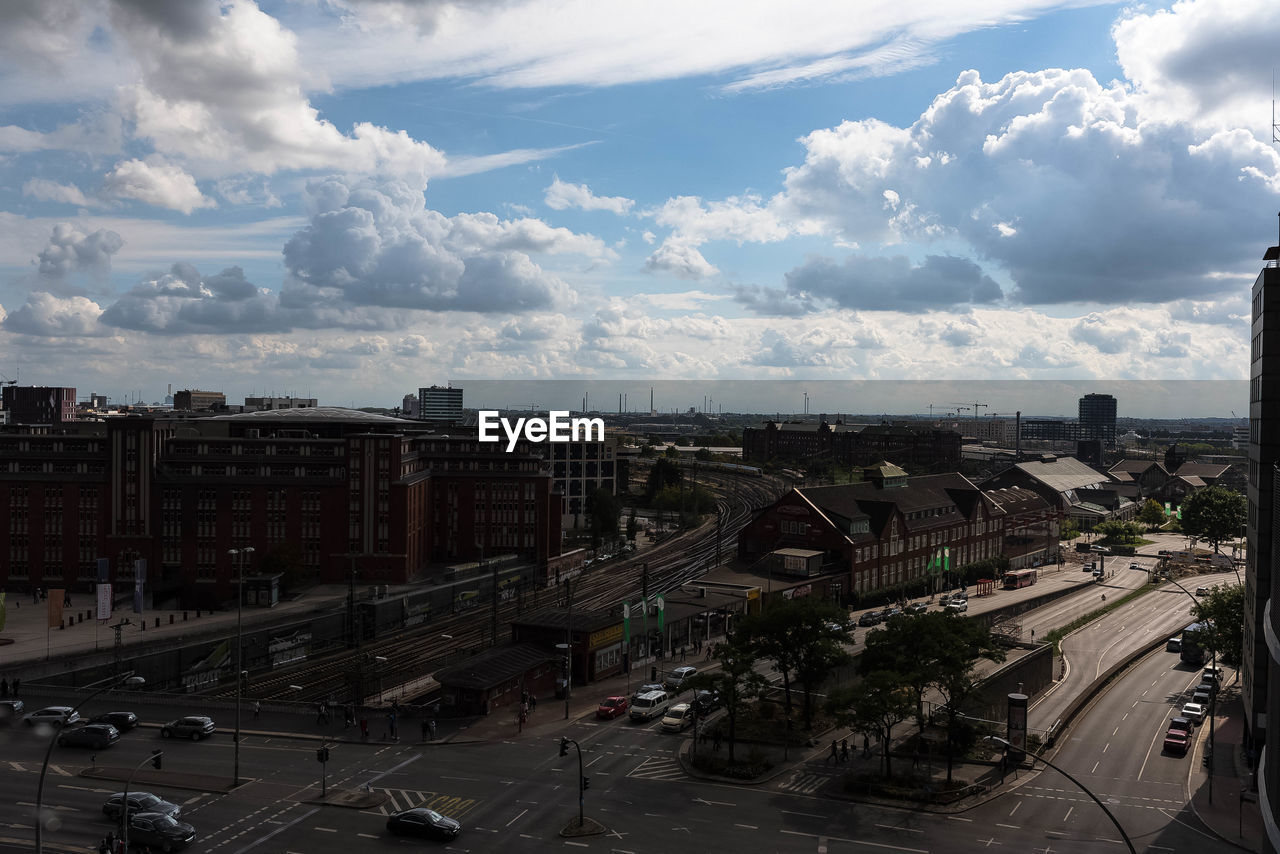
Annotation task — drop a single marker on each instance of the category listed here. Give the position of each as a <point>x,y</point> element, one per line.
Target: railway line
<point>415,653</point>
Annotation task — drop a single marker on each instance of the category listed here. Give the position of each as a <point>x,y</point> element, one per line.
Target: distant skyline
<point>368,196</point>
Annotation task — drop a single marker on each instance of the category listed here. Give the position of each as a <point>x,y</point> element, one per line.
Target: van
<point>649,705</point>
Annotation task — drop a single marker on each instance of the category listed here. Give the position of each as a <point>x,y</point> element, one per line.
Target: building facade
<point>195,400</point>
<point>51,405</point>
<point>579,469</point>
<point>318,493</point>
<point>1097,414</point>
<point>442,404</point>
<point>863,445</point>
<point>266,404</point>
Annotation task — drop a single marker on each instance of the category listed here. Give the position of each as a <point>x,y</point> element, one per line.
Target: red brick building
<point>316,492</point>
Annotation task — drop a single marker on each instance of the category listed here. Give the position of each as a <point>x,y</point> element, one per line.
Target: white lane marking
<point>856,842</point>
<point>327,829</point>
<point>899,827</point>
<point>1094,769</point>
<point>1068,815</point>
<point>517,818</point>
<point>807,814</point>
<point>1015,808</point>
<point>280,829</point>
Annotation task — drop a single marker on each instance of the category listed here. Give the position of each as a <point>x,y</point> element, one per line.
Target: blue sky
<point>359,197</point>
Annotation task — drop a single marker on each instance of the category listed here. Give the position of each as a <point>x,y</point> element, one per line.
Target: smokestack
<point>1017,436</point>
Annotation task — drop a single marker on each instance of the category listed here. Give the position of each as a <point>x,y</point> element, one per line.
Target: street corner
<point>356,799</point>
<point>585,827</point>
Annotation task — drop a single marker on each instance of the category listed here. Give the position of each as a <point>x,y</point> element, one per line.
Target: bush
<point>755,765</point>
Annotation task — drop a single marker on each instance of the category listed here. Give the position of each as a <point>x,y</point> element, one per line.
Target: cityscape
<point>550,426</point>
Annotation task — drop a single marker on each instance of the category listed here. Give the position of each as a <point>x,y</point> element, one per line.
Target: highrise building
<point>1098,418</point>
<point>440,403</point>
<point>1260,667</point>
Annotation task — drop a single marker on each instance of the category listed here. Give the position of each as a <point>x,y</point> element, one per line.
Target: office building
<point>195,400</point>
<point>1098,418</point>
<point>266,404</point>
<point>40,405</point>
<point>440,404</point>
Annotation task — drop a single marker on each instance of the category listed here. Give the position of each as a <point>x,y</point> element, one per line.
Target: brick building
<point>316,492</point>
<point>852,445</point>
<point>195,400</point>
<point>40,404</point>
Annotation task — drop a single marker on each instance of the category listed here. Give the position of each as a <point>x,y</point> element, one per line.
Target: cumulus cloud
<point>71,250</point>
<point>561,195</point>
<point>681,259</point>
<point>159,184</point>
<point>51,191</point>
<point>182,301</point>
<point>895,284</point>
<point>49,316</point>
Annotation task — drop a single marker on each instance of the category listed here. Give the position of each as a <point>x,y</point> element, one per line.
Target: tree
<point>907,646</point>
<point>1069,530</point>
<point>874,706</point>
<point>957,680</point>
<point>663,473</point>
<point>1223,609</point>
<point>1152,514</point>
<point>783,631</point>
<point>1214,513</point>
<point>819,651</point>
<point>603,507</point>
<point>736,682</point>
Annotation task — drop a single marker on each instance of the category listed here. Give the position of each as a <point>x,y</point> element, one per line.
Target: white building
<point>440,403</point>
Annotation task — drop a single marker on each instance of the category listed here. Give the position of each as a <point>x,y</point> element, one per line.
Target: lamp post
<point>132,682</point>
<point>380,660</point>
<point>246,551</point>
<point>582,781</point>
<point>155,759</point>
<point>1079,785</point>
<point>1213,695</point>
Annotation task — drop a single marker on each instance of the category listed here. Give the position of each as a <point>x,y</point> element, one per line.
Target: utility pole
<point>494,620</point>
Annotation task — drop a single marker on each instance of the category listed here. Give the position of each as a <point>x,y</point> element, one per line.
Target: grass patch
<point>1056,635</point>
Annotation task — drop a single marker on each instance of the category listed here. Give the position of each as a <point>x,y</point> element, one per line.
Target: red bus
<point>1020,578</point>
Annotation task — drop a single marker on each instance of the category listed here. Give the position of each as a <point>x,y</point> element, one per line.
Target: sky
<point>350,199</point>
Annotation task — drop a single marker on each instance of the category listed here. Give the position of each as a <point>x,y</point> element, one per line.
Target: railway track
<point>423,649</point>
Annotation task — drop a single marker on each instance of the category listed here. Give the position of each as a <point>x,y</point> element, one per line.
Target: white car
<point>958,606</point>
<point>54,715</point>
<point>1193,712</point>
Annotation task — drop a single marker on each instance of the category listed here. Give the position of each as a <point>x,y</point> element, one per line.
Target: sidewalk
<point>1230,816</point>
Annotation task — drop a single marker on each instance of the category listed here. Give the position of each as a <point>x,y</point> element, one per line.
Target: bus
<point>1020,578</point>
<point>1194,640</point>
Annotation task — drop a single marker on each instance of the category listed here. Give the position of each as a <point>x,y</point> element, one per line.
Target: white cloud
<point>159,184</point>
<point>71,250</point>
<point>49,316</point>
<point>52,191</point>
<point>561,195</point>
<point>681,259</point>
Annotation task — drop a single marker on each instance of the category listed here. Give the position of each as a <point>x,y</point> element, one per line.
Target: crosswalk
<point>403,799</point>
<point>659,768</point>
<point>807,780</point>
<point>34,767</point>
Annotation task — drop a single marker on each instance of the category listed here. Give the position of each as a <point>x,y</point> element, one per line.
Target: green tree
<point>736,682</point>
<point>907,646</point>
<point>1223,608</point>
<point>1214,514</point>
<point>702,454</point>
<point>873,707</point>
<point>1152,513</point>
<point>663,473</point>
<point>671,453</point>
<point>785,630</point>
<point>1069,530</point>
<point>603,507</point>
<point>957,679</point>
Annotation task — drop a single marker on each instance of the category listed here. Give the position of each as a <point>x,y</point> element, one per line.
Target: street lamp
<point>155,759</point>
<point>246,551</point>
<point>1079,785</point>
<point>1213,695</point>
<point>130,681</point>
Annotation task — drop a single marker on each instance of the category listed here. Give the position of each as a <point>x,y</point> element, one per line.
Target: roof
<point>1016,500</point>
<point>493,667</point>
<point>867,501</point>
<point>559,618</point>
<point>796,552</point>
<point>313,413</point>
<point>1201,470</point>
<point>1190,480</point>
<point>1062,473</point>
<point>1134,466</point>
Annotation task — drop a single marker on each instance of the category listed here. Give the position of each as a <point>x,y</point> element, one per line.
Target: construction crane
<point>6,380</point>
<point>974,407</point>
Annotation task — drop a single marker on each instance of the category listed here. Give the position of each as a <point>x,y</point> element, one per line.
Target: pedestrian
<point>425,728</point>
<point>844,750</point>
<point>431,728</point>
<point>257,709</point>
<point>103,848</point>
<point>391,723</point>
<point>364,729</point>
<point>709,651</point>
<point>348,716</point>
<point>835,753</point>
<point>320,712</point>
<point>1033,634</point>
<point>35,597</point>
<point>533,702</point>
<point>524,698</point>
<point>524,716</point>
<point>524,708</point>
<point>866,747</point>
<point>111,840</point>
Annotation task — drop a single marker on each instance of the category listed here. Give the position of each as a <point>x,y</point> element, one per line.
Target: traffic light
<point>564,747</point>
<point>586,783</point>
<point>155,758</point>
<point>322,754</point>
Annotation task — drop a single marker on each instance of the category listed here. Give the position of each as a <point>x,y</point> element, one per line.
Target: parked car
<point>958,607</point>
<point>98,736</point>
<point>1163,553</point>
<point>870,618</point>
<point>676,678</point>
<point>917,607</point>
<point>10,711</point>
<point>194,727</point>
<point>890,612</point>
<point>140,802</point>
<point>1193,712</point>
<point>123,721</point>
<point>678,718</point>
<point>423,822</point>
<point>1202,695</point>
<point>647,688</point>
<point>1176,741</point>
<point>706,701</point>
<point>1212,674</point>
<point>1181,724</point>
<point>158,830</point>
<point>612,707</point>
<point>1173,645</point>
<point>58,716</point>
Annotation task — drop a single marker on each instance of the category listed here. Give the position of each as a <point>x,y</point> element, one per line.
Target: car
<point>836,627</point>
<point>1212,674</point>
<point>1176,741</point>
<point>959,607</point>
<point>1209,684</point>
<point>10,711</point>
<point>1202,696</point>
<point>917,607</point>
<point>706,701</point>
<point>140,802</point>
<point>1181,724</point>
<point>612,707</point>
<point>891,612</point>
<point>648,688</point>
<point>1091,566</point>
<point>58,716</point>
<point>676,678</point>
<point>424,822</point>
<point>1203,591</point>
<point>123,721</point>
<point>1164,553</point>
<point>678,718</point>
<point>194,727</point>
<point>1193,712</point>
<point>1102,550</point>
<point>157,830</point>
<point>1173,645</point>
<point>1136,565</point>
<point>98,736</point>
<point>870,618</point>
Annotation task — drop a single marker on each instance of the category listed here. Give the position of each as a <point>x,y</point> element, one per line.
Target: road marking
<point>280,829</point>
<point>577,844</point>
<point>1094,769</point>
<point>747,826</point>
<point>1010,826</point>
<point>517,818</point>
<point>899,827</point>
<point>807,814</point>
<point>713,803</point>
<point>369,835</point>
<point>1068,815</point>
<point>326,829</point>
<point>855,841</point>
<point>594,761</point>
<point>1116,730</point>
<point>1015,808</point>
<point>1104,749</point>
<point>467,779</point>
<point>1125,718</point>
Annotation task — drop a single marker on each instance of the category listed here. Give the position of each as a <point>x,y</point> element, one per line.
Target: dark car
<point>612,707</point>
<point>123,721</point>
<point>140,802</point>
<point>158,830</point>
<point>1173,645</point>
<point>871,618</point>
<point>421,821</point>
<point>1176,741</point>
<point>890,612</point>
<point>194,727</point>
<point>98,736</point>
<point>706,702</point>
<point>11,710</point>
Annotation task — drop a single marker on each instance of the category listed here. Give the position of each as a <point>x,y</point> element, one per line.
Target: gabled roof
<point>1016,500</point>
<point>1190,480</point>
<point>1134,466</point>
<point>866,501</point>
<point>1062,473</point>
<point>1202,470</point>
